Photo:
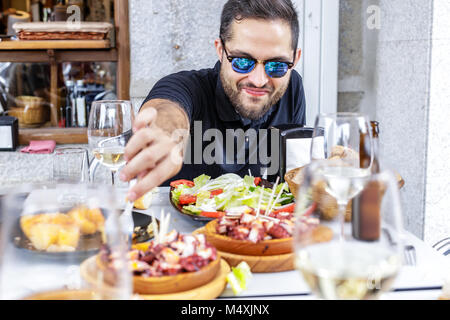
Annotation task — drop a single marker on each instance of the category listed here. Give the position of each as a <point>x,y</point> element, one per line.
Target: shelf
<point>86,55</point>
<point>60,135</point>
<point>54,44</point>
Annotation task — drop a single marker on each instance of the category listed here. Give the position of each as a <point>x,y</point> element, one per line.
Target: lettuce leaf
<point>200,181</point>
<point>192,209</point>
<point>181,189</point>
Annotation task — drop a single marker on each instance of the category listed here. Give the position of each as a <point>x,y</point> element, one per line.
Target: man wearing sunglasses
<point>253,86</point>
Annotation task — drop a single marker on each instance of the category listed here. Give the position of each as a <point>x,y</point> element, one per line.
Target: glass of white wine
<point>360,260</point>
<point>51,236</point>
<point>109,129</point>
<point>344,139</point>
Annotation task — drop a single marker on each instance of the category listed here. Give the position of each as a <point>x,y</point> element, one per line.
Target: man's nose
<point>258,76</point>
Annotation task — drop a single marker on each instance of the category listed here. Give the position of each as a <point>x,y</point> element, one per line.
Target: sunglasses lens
<point>242,65</point>
<point>276,69</point>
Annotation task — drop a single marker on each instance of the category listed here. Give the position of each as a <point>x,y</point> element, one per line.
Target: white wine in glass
<point>111,157</point>
<point>343,266</point>
<point>109,129</point>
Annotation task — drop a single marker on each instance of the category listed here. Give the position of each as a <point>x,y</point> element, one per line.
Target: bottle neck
<point>375,145</point>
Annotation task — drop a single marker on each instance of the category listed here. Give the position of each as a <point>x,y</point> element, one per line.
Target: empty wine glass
<point>109,129</point>
<point>51,237</point>
<point>363,262</point>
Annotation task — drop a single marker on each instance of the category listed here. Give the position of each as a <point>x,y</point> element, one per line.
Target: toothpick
<point>250,172</point>
<point>163,229</point>
<point>155,228</point>
<point>270,218</point>
<point>166,225</point>
<point>278,197</point>
<point>271,196</point>
<point>259,202</point>
<point>162,223</point>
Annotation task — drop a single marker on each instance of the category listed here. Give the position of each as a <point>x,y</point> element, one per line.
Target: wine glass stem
<point>113,172</point>
<point>342,206</point>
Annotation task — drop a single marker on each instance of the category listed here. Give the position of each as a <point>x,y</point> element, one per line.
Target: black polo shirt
<point>220,149</point>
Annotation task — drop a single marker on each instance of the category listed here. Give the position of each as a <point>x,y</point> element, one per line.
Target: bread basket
<point>326,204</point>
<point>30,110</point>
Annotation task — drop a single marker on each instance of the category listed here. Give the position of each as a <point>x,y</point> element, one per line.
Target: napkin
<point>298,151</point>
<point>40,147</point>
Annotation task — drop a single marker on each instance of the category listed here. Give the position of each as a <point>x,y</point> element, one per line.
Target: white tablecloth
<point>423,281</point>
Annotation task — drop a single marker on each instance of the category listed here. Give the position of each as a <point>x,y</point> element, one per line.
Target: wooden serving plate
<point>177,283</point>
<point>211,290</point>
<point>168,284</point>
<point>245,247</point>
<point>262,264</point>
<point>63,295</point>
<point>259,263</point>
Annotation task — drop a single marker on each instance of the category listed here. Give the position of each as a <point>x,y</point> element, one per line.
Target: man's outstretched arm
<point>156,149</point>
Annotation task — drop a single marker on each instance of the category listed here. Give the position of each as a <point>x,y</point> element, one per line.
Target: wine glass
<point>364,262</point>
<point>51,236</point>
<point>345,140</point>
<point>109,129</point>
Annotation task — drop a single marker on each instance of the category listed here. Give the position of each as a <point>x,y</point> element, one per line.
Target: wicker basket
<point>29,101</point>
<point>326,204</point>
<point>30,110</point>
<point>61,30</point>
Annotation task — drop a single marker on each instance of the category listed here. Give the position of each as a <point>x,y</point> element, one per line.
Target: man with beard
<point>253,86</point>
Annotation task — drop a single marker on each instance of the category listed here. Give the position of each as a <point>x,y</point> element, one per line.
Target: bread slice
<point>49,230</point>
<point>89,220</point>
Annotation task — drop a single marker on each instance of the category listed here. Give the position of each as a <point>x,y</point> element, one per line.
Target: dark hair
<point>259,9</point>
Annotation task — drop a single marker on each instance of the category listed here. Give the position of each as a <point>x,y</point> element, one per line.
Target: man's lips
<point>255,92</point>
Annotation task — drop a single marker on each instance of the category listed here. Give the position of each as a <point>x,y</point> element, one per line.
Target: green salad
<point>212,197</point>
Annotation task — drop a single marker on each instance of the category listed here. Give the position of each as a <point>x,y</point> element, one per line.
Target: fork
<point>410,255</point>
<point>126,219</point>
<point>409,250</point>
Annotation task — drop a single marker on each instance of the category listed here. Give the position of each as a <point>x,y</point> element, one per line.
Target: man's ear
<point>219,48</point>
<point>297,57</point>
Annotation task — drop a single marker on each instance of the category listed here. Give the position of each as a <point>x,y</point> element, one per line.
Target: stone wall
<point>402,88</point>
<point>170,36</point>
<point>437,203</point>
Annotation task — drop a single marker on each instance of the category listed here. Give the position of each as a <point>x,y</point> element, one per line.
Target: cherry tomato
<point>216,214</point>
<point>290,208</point>
<point>176,183</point>
<point>187,199</point>
<point>257,180</point>
<point>216,192</point>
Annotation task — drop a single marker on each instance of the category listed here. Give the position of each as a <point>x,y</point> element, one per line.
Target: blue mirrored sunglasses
<point>274,69</point>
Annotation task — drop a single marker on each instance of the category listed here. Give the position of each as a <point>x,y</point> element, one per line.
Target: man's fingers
<point>147,159</point>
<point>140,140</point>
<point>163,171</point>
<point>144,118</point>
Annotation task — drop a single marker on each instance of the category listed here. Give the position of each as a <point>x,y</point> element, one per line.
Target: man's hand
<point>155,151</point>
